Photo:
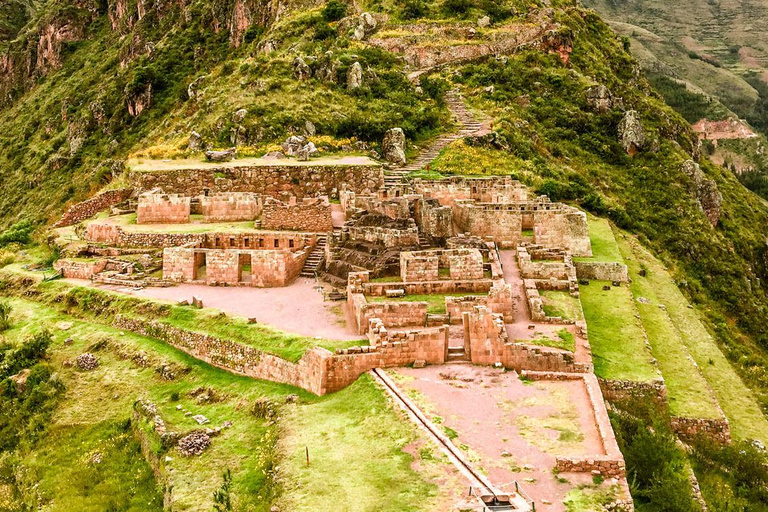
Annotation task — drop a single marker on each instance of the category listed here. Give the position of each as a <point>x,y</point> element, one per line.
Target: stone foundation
<point>717,429</point>
<point>90,207</point>
<point>460,265</point>
<point>74,269</point>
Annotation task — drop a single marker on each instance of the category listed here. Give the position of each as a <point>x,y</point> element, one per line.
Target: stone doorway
<point>200,273</point>
<point>244,268</point>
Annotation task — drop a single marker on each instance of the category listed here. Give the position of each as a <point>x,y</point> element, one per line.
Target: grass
<point>98,400</point>
<point>604,247</point>
<point>616,335</point>
<point>128,223</point>
<point>561,304</point>
<point>435,303</point>
<point>564,341</point>
<point>736,400</point>
<point>357,460</point>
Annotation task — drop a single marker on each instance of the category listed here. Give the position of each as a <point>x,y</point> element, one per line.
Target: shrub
<point>334,11</point>
<point>414,9</point>
<point>20,233</point>
<point>457,7</point>
<point>27,355</point>
<point>5,315</point>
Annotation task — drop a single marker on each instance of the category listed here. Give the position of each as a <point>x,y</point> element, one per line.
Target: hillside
<point>103,96</point>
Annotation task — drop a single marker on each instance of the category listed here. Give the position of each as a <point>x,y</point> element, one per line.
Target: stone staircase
<point>468,126</point>
<point>456,354</point>
<point>314,258</point>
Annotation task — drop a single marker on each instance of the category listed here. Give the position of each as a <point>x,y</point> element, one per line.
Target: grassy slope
<point>682,333</point>
<point>337,428</point>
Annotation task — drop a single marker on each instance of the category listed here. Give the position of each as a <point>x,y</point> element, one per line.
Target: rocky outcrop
<point>138,102</point>
<point>599,97</point>
<point>631,133</point>
<point>355,76</point>
<point>393,146</point>
<point>247,13</point>
<point>220,156</point>
<point>195,141</point>
<point>300,69</point>
<point>730,128</point>
<point>326,68</point>
<point>705,190</point>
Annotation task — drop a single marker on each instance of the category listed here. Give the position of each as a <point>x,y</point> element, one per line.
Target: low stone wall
<point>429,287</point>
<point>74,269</point>
<point>300,180</point>
<point>231,207</point>
<point>717,429</point>
<point>156,208</point>
<point>388,237</point>
<point>313,217</point>
<point>617,390</point>
<point>486,190</point>
<point>435,221</point>
<point>393,314</point>
<point>499,300</point>
<point>90,207</point>
<point>602,271</point>
<point>147,441</point>
<point>461,264</point>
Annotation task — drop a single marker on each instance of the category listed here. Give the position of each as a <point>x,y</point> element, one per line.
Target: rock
<point>64,326</point>
<point>393,146</point>
<point>193,91</point>
<point>489,89</point>
<point>300,69</point>
<point>471,33</point>
<point>200,419</point>
<point>293,144</point>
<point>221,156</point>
<point>195,141</point>
<point>20,380</point>
<point>366,25</point>
<point>197,302</point>
<point>419,363</point>
<point>239,115</point>
<point>606,288</point>
<point>274,155</point>
<point>355,76</point>
<point>303,154</point>
<point>326,69</point>
<point>705,191</point>
<point>309,129</point>
<point>69,341</point>
<point>182,302</point>
<point>291,399</point>
<point>194,443</point>
<point>87,362</point>
<point>483,21</point>
<point>631,133</point>
<point>599,97</point>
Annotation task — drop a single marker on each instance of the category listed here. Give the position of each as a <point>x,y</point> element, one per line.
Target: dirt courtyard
<point>511,429</point>
<point>298,308</point>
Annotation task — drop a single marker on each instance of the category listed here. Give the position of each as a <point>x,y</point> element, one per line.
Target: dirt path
<point>298,308</point>
<point>511,429</point>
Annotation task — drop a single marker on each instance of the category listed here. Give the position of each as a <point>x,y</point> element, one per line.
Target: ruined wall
<point>163,209</point>
<point>429,287</point>
<point>717,429</point>
<point>268,268</point>
<point>90,207</point>
<point>304,180</point>
<point>500,223</point>
<point>231,207</point>
<point>461,265</point>
<point>484,190</point>
<point>393,314</point>
<point>616,272</point>
<point>499,301</point>
<point>314,216</point>
<point>74,269</point>
<point>566,228</point>
<point>388,237</point>
<point>464,264</point>
<point>616,390</point>
<point>434,221</point>
<point>419,266</point>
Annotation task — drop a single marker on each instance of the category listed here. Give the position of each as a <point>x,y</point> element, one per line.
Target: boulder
<point>193,90</point>
<point>239,115</point>
<point>600,98</point>
<point>355,76</point>
<point>194,443</point>
<point>366,25</point>
<point>631,133</point>
<point>300,69</point>
<point>705,191</point>
<point>393,146</point>
<point>293,144</point>
<point>484,21</point>
<point>326,68</point>
<point>195,141</point>
<point>220,156</point>
<point>273,155</point>
<point>309,129</point>
<point>20,380</point>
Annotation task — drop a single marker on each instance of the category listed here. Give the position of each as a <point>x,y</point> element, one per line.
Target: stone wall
<point>154,208</point>
<point>419,266</point>
<point>393,314</point>
<point>617,390</point>
<point>461,264</point>
<point>435,222</point>
<point>499,300</point>
<point>485,190</point>
<point>382,235</point>
<point>118,236</point>
<point>498,223</point>
<point>276,180</point>
<point>312,215</point>
<point>74,269</point>
<point>429,287</point>
<point>599,271</point>
<point>231,207</point>
<point>232,267</point>
<point>90,207</point>
<point>717,429</point>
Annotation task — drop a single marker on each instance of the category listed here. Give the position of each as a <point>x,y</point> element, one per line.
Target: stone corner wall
<point>163,209</point>
<point>599,271</point>
<point>73,269</point>
<point>231,207</point>
<point>315,217</point>
<point>90,207</point>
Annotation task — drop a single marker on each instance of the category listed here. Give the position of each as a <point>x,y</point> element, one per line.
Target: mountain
<point>87,85</point>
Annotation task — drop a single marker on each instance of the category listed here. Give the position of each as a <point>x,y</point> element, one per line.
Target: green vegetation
<point>435,303</point>
<point>589,497</point>
<point>676,333</point>
<point>561,304</point>
<point>20,233</point>
<point>356,458</point>
<point>564,341</point>
<point>604,247</point>
<point>617,338</point>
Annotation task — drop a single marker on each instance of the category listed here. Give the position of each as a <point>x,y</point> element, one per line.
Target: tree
<point>222,498</point>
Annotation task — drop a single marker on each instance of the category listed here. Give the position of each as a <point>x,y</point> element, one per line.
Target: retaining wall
<point>602,271</point>
<point>90,207</point>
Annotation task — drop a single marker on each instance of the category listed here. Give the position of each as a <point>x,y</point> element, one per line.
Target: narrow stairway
<point>468,126</point>
<point>314,258</point>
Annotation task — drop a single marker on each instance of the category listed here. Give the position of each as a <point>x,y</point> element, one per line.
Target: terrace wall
<point>597,271</point>
<point>314,216</point>
<point>86,209</point>
<point>73,269</point>
<point>307,180</point>
<point>231,207</point>
<point>163,209</point>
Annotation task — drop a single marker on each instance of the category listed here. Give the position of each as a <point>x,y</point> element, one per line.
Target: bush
<point>5,316</point>
<point>334,11</point>
<point>414,9</point>
<point>27,355</point>
<point>20,233</point>
<point>458,8</point>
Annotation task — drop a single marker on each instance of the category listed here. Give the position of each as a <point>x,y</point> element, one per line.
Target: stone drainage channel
<point>491,499</point>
